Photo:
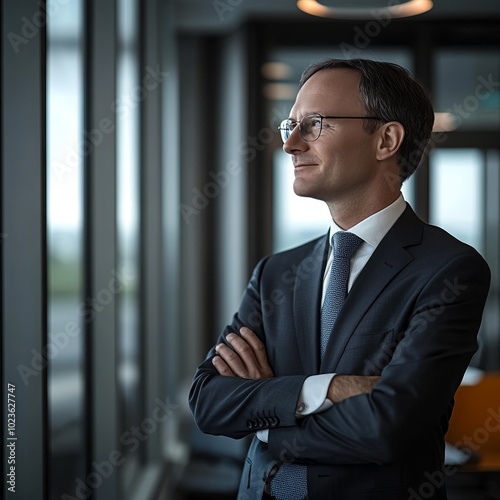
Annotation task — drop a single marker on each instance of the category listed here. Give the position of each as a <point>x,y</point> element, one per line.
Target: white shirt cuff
<point>312,398</point>
<point>263,435</point>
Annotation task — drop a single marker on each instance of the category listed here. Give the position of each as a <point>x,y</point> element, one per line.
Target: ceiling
<point>218,16</point>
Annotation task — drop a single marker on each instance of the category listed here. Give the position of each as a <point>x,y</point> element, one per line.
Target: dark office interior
<point>143,177</point>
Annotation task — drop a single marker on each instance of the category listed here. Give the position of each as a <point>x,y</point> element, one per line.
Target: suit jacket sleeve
<point>416,386</point>
<point>236,407</point>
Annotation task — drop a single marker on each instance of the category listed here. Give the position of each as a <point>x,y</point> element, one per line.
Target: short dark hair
<point>392,94</point>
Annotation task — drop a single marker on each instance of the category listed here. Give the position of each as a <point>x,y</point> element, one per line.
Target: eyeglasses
<point>311,125</point>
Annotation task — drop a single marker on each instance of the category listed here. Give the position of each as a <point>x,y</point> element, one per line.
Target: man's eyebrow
<point>307,113</point>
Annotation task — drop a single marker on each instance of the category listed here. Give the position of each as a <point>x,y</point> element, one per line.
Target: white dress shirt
<point>312,398</point>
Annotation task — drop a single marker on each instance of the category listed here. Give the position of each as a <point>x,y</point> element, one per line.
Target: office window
<point>465,86</point>
<point>128,237</point>
<point>73,347</point>
<point>408,190</point>
<point>457,193</point>
<point>67,310</point>
<point>297,219</point>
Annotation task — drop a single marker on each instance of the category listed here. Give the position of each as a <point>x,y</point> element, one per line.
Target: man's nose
<point>295,143</point>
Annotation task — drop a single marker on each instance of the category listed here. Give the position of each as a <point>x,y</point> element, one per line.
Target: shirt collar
<point>375,227</point>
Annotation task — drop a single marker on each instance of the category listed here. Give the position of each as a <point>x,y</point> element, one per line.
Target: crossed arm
<point>248,359</point>
<point>236,385</point>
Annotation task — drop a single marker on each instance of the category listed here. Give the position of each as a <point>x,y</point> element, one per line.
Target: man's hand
<point>346,386</point>
<point>247,359</point>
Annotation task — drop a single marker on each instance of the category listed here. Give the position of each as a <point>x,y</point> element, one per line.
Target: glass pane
<point>408,190</point>
<point>456,193</point>
<point>466,86</point>
<point>298,219</point>
<point>66,310</point>
<point>128,188</point>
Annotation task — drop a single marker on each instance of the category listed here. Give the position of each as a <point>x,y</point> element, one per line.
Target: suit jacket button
<point>250,424</point>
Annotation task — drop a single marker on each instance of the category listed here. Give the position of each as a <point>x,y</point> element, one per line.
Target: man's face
<point>341,164</point>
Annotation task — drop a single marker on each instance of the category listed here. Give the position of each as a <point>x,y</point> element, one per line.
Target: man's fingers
<point>222,367</point>
<point>233,360</point>
<point>249,358</point>
<point>245,356</point>
<point>257,346</point>
<point>243,349</point>
<point>251,338</point>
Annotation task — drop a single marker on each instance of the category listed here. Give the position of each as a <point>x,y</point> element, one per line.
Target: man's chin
<point>306,190</point>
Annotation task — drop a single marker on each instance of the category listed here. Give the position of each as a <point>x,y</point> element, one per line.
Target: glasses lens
<point>310,127</point>
<point>286,129</point>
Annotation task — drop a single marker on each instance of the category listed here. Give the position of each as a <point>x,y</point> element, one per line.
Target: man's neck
<point>351,212</point>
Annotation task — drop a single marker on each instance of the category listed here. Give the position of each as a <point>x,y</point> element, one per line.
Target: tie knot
<point>345,244</point>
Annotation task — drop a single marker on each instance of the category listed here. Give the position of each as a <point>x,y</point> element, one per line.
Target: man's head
<point>390,93</point>
<point>377,122</point>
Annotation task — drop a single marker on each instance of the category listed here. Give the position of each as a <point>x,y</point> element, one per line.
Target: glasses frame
<point>282,129</point>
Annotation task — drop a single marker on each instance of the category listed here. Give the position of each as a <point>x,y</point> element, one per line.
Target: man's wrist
<point>346,386</point>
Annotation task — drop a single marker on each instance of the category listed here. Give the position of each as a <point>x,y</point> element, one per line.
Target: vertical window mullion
<point>152,81</point>
<point>103,279</point>
<point>23,235</point>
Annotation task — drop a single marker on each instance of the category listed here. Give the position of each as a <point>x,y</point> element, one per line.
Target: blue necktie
<point>290,482</point>
<point>344,247</point>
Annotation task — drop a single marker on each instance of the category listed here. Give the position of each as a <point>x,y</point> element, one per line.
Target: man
<point>349,396</point>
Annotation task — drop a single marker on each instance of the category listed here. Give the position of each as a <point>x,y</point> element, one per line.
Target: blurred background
<point>143,178</point>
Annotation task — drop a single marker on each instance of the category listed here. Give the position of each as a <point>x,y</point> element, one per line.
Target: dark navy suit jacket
<point>411,316</point>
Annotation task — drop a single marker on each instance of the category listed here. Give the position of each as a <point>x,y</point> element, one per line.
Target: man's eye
<point>315,122</point>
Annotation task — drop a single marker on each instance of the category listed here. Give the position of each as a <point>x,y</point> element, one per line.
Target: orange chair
<point>475,422</point>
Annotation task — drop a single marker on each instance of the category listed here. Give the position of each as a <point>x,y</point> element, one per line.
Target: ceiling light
<point>444,122</point>
<point>280,91</point>
<point>404,9</point>
<point>276,70</point>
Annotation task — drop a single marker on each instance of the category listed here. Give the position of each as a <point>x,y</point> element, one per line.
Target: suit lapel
<point>389,258</point>
<point>306,305</point>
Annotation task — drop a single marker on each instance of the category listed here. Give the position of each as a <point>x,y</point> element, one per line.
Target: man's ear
<point>390,137</point>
